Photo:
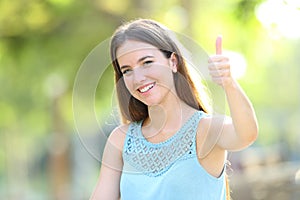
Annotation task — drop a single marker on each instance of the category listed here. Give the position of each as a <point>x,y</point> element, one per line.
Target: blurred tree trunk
<point>188,6</point>
<point>59,165</point>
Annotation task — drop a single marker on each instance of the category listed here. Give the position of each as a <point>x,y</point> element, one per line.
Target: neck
<point>168,117</point>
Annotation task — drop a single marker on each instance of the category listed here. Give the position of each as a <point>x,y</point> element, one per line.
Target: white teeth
<point>145,89</point>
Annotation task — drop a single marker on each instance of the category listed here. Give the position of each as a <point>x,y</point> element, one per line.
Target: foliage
<point>43,43</point>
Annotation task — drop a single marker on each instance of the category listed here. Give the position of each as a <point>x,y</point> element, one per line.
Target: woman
<point>168,146</point>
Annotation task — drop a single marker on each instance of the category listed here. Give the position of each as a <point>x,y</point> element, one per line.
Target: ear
<point>173,62</point>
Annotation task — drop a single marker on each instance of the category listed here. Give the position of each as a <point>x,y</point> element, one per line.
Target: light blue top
<point>168,170</point>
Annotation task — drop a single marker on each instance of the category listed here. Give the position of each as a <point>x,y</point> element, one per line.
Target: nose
<point>138,75</point>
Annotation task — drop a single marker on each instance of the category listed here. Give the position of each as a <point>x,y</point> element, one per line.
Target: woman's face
<point>147,72</point>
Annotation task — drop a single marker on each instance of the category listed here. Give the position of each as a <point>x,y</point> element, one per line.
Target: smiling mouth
<point>146,88</point>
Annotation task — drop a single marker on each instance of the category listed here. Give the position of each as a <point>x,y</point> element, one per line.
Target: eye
<point>147,62</point>
<point>126,71</point>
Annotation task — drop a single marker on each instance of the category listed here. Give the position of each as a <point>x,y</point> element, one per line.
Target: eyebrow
<point>139,60</point>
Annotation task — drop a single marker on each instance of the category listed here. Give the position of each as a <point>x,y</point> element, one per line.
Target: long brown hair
<point>155,34</point>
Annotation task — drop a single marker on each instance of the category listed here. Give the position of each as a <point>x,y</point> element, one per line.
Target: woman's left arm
<point>241,129</point>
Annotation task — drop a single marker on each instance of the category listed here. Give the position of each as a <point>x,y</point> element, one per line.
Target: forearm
<point>242,112</point>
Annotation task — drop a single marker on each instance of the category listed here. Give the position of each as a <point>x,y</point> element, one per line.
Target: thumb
<point>219,45</point>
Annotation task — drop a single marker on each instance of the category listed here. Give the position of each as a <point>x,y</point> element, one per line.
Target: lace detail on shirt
<point>155,159</point>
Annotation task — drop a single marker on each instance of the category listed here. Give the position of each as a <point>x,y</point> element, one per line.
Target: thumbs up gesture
<point>219,66</point>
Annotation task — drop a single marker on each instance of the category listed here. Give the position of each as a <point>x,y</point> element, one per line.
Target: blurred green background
<point>44,42</point>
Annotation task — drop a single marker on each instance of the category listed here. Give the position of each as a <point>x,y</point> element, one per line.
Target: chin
<point>153,103</point>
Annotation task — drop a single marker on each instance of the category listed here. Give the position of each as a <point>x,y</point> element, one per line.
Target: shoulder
<point>208,133</point>
<point>118,135</point>
<point>213,124</point>
<point>112,155</point>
